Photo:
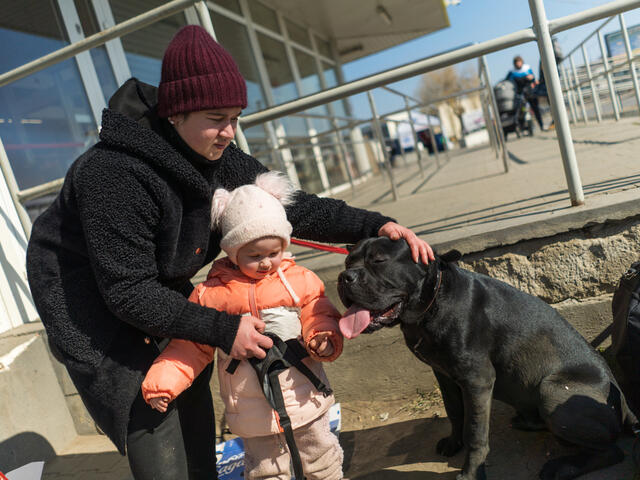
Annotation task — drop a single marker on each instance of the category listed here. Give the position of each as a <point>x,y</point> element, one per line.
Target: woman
<point>109,262</point>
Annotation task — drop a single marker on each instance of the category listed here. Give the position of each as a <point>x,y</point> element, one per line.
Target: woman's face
<point>208,132</point>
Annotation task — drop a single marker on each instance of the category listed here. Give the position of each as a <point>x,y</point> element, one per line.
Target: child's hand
<point>321,344</point>
<point>159,403</point>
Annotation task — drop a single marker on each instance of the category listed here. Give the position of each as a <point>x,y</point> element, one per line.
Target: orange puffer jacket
<point>292,303</point>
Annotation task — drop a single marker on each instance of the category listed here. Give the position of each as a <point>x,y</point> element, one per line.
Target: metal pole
<point>432,137</point>
<point>415,136</point>
<point>579,88</point>
<point>342,147</point>
<point>385,157</point>
<point>632,67</point>
<point>488,124</point>
<point>612,88</point>
<point>494,104</point>
<point>541,26</point>
<point>205,21</point>
<point>573,108</point>
<point>14,191</point>
<point>487,116</point>
<point>594,91</point>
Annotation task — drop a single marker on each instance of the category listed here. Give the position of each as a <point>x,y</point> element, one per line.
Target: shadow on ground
<point>406,450</point>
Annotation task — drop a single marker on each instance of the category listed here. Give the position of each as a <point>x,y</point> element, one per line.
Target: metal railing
<point>589,73</point>
<point>540,32</point>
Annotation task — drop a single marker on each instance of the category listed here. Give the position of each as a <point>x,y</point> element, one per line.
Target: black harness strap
<point>281,356</point>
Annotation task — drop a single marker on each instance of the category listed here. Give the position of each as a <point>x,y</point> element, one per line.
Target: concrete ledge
<point>35,423</point>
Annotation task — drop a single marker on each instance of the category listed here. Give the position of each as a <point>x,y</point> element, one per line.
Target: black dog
<point>484,339</point>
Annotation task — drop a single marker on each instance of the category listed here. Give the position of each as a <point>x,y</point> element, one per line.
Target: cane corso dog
<point>484,339</point>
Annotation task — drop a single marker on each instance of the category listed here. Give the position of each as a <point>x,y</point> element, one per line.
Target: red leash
<point>318,246</point>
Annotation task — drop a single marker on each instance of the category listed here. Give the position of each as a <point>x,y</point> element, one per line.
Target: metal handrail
<point>96,40</point>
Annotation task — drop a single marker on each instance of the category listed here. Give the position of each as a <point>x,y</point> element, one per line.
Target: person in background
<point>525,82</point>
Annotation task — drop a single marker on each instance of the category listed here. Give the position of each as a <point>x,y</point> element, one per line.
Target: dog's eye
<point>379,259</point>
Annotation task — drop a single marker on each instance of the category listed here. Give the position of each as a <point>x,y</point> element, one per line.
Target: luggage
<point>625,335</point>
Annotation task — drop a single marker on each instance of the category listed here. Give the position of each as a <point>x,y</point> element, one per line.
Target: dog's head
<point>381,284</point>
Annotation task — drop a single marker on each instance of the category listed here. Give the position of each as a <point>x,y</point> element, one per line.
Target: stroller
<point>514,111</point>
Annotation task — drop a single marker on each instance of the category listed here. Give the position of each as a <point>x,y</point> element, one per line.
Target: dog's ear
<point>451,256</point>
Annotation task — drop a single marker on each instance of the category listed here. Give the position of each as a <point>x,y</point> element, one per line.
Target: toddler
<point>258,278</point>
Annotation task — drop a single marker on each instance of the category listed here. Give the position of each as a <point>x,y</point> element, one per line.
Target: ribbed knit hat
<point>198,74</point>
<point>252,211</point>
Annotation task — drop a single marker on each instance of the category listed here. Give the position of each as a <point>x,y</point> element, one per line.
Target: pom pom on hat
<point>252,211</point>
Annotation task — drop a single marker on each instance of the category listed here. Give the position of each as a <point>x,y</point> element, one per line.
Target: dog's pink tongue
<point>354,321</point>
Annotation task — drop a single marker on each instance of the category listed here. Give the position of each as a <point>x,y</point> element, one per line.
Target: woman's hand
<point>249,341</point>
<point>420,250</point>
<point>159,403</point>
<point>321,344</point>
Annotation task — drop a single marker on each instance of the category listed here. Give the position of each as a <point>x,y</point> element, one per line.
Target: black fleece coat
<point>109,261</point>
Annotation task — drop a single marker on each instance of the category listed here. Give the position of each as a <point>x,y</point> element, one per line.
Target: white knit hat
<point>252,211</point>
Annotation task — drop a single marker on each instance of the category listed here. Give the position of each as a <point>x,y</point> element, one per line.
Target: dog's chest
<point>424,347</point>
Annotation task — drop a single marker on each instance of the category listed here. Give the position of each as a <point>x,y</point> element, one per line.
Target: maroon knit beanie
<point>198,74</point>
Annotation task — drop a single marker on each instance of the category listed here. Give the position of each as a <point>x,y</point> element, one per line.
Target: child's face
<point>261,257</point>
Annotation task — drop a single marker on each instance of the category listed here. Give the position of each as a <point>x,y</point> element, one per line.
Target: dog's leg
<point>453,404</point>
<point>477,392</point>
<point>579,414</point>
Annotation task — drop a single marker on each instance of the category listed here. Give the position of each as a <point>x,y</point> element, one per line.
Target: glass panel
<point>45,118</point>
<point>310,83</point>
<point>232,5</point>
<point>331,80</point>
<point>263,15</point>
<point>145,48</point>
<point>235,39</point>
<point>261,148</point>
<point>282,83</point>
<point>307,169</point>
<point>335,168</point>
<point>298,34</point>
<point>323,47</point>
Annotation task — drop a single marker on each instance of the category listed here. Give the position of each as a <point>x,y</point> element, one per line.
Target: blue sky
<point>477,21</point>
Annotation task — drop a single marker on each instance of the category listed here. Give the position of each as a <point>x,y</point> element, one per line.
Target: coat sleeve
<point>331,220</point>
<point>177,366</point>
<point>175,369</point>
<point>119,217</point>
<point>319,315</point>
<point>312,217</point>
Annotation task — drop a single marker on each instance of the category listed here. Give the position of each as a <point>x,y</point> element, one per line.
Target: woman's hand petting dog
<point>321,344</point>
<point>420,250</point>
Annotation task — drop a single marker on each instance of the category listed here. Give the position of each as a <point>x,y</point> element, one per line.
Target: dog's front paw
<point>449,446</point>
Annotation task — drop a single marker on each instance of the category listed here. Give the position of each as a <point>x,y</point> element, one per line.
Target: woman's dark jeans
<point>178,444</point>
